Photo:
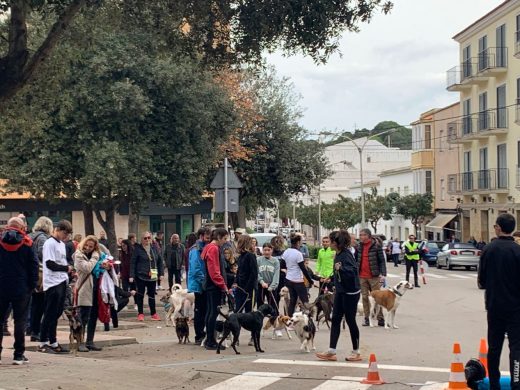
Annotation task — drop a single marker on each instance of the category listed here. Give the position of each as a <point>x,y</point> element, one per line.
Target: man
<point>196,277</point>
<point>233,244</point>
<point>412,256</point>
<point>18,277</point>
<point>55,280</point>
<point>372,271</point>
<point>304,249</point>
<point>325,264</point>
<point>395,249</point>
<point>498,275</point>
<point>215,282</point>
<point>174,259</point>
<point>132,238</point>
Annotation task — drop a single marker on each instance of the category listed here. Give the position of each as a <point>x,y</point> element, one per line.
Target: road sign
<point>233,203</point>
<point>232,179</point>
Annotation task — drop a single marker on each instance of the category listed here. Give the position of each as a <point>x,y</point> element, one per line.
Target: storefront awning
<point>440,221</point>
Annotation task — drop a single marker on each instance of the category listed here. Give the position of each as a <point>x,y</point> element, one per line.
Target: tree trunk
<point>133,221</point>
<point>109,225</point>
<point>241,217</point>
<point>88,218</point>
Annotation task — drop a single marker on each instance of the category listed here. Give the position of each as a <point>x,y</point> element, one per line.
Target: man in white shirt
<point>55,280</point>
<point>396,251</point>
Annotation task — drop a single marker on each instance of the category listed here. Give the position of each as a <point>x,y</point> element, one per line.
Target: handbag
<point>153,273</point>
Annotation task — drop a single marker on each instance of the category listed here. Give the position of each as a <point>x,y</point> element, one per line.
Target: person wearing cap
<point>234,243</point>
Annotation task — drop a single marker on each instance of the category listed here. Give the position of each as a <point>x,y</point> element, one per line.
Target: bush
<point>313,251</point>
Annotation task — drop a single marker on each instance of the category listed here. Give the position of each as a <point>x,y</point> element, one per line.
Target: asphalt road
<point>448,309</point>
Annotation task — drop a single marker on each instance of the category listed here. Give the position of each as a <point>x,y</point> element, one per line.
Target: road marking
<point>461,276</point>
<point>434,386</point>
<point>342,383</point>
<point>250,380</point>
<point>392,276</point>
<point>352,365</point>
<point>435,276</point>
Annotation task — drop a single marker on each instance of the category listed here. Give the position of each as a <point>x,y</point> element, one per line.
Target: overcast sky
<point>394,69</point>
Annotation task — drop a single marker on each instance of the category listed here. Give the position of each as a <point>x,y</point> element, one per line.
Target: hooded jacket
<point>18,264</point>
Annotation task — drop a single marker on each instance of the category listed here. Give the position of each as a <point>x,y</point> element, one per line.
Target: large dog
<point>389,300</point>
<point>250,321</point>
<point>284,301</point>
<point>76,328</point>
<point>305,329</point>
<point>180,302</point>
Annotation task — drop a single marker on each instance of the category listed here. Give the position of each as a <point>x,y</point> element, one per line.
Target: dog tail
<point>175,287</point>
<point>226,316</point>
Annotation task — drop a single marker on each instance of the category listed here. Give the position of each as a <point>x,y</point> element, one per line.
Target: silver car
<point>458,254</point>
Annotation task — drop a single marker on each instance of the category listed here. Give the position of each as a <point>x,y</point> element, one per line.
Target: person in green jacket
<point>325,264</point>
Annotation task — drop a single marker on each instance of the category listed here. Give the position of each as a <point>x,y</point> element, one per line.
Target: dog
<point>76,328</point>
<point>305,329</point>
<point>323,304</point>
<point>181,303</point>
<point>182,329</point>
<point>278,323</point>
<point>250,321</point>
<point>389,300</point>
<point>284,301</point>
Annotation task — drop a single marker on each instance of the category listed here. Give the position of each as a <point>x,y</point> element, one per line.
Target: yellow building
<point>488,80</point>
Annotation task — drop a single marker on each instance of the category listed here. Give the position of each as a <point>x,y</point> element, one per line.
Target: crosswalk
<point>445,276</point>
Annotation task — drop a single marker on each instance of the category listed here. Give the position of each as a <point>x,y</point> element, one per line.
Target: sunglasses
<point>147,238</point>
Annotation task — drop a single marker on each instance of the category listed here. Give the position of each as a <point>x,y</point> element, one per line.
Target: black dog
<point>182,329</point>
<point>250,321</point>
<point>323,304</point>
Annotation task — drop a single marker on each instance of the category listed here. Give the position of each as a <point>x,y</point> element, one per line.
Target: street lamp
<point>360,150</point>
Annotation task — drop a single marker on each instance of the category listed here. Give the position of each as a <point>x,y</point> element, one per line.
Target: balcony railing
<point>492,58</point>
<point>517,176</point>
<point>486,120</point>
<point>486,180</point>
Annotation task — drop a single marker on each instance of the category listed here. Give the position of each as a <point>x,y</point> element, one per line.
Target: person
<point>18,277</point>
<point>196,277</point>
<point>146,267</point>
<point>304,249</point>
<point>268,276</point>
<point>314,277</point>
<point>230,261</point>
<point>257,252</point>
<point>103,239</point>
<point>56,272</point>
<point>174,259</point>
<point>86,289</point>
<point>372,270</point>
<point>124,268</point>
<point>192,239</point>
<point>412,255</point>
<point>346,297</point>
<point>132,238</point>
<point>158,243</point>
<point>236,235</point>
<point>247,277</point>
<point>42,230</point>
<point>76,240</point>
<point>481,244</point>
<point>472,241</point>
<point>395,251</point>
<point>278,243</point>
<point>296,272</point>
<point>215,282</point>
<point>325,264</point>
<point>498,274</point>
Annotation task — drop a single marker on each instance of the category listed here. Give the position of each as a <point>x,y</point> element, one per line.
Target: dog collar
<point>396,292</point>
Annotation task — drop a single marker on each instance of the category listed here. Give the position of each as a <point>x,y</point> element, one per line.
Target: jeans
<point>415,265</point>
<point>296,290</point>
<point>213,301</point>
<point>37,307</point>
<point>344,306</point>
<point>20,308</point>
<point>395,258</point>
<point>199,319</point>
<point>367,286</point>
<point>54,301</point>
<point>498,325</point>
<point>149,286</point>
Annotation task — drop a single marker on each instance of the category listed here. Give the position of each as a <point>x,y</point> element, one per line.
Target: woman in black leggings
<point>346,283</point>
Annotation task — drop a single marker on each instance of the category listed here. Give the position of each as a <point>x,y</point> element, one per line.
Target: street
<point>448,309</point>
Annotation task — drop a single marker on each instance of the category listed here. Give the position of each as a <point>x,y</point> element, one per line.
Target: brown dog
<point>389,300</point>
<point>76,328</point>
<point>277,323</point>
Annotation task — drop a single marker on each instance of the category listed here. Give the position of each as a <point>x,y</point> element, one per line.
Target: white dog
<point>181,303</point>
<point>389,300</point>
<point>284,301</point>
<point>305,329</point>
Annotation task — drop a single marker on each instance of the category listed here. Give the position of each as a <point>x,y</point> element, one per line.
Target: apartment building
<point>488,131</point>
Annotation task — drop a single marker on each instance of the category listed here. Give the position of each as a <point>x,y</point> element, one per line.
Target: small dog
<point>284,301</point>
<point>76,328</point>
<point>250,321</point>
<point>182,329</point>
<point>389,300</point>
<point>305,330</point>
<point>323,304</point>
<point>278,323</point>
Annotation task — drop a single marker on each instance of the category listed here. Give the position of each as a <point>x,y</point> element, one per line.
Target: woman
<point>258,252</point>
<point>247,277</point>
<point>278,243</point>
<point>296,272</point>
<point>230,261</point>
<point>86,258</point>
<point>146,268</point>
<point>346,298</point>
<point>190,241</point>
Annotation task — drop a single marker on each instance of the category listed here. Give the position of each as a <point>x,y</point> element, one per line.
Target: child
<point>268,276</point>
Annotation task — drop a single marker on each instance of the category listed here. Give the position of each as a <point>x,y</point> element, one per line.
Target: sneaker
<point>417,286</point>
<point>212,347</point>
<point>366,322</point>
<point>354,357</point>
<point>46,349</point>
<point>19,360</point>
<point>331,357</point>
<point>59,349</point>
<point>35,337</point>
<point>92,347</point>
<point>380,322</point>
<point>140,317</point>
<point>83,348</point>
<point>156,317</point>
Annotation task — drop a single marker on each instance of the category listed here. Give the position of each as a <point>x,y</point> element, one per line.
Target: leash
<point>246,300</point>
<point>275,303</point>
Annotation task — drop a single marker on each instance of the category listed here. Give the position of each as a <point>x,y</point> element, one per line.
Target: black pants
<point>344,306</point>
<point>199,319</point>
<point>121,304</point>
<point>296,290</point>
<point>272,298</point>
<point>213,300</point>
<point>53,302</point>
<point>149,286</point>
<point>415,265</point>
<point>177,273</point>
<point>20,308</point>
<point>37,308</point>
<point>127,286</point>
<point>395,258</point>
<point>244,300</point>
<point>498,325</point>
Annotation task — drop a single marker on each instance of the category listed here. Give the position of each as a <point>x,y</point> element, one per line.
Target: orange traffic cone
<point>482,354</point>
<point>457,377</point>
<point>373,373</point>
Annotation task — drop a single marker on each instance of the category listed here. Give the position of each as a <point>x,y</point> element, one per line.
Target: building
<point>488,132</point>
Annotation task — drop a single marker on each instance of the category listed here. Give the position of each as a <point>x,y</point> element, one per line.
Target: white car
<point>458,254</point>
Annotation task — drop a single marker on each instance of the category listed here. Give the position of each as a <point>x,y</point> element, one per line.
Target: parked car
<point>262,238</point>
<point>430,250</point>
<point>458,254</point>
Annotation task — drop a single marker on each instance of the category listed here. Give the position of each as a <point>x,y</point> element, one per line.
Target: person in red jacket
<point>215,282</point>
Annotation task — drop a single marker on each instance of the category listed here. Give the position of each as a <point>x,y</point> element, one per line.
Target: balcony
<point>455,80</point>
<point>484,181</point>
<point>492,61</point>
<point>492,122</point>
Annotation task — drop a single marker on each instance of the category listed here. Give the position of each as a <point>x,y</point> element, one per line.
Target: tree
<point>400,138</point>
<point>377,207</point>
<point>308,215</point>
<point>219,32</point>
<point>415,207</point>
<point>342,214</point>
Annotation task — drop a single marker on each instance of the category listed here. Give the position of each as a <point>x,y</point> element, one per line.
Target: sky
<point>393,69</point>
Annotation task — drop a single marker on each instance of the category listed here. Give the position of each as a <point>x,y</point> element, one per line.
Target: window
<point>517,35</point>
<point>502,174</point>
<point>369,159</point>
<point>466,62</point>
<point>467,176</point>
<point>501,107</point>
<point>483,118</point>
<point>428,137</point>
<point>501,60</point>
<point>466,117</point>
<point>443,190</point>
<point>483,173</point>
<point>429,182</point>
<point>483,55</point>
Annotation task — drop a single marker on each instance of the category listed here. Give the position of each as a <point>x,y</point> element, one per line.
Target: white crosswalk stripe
<point>342,383</point>
<point>250,380</point>
<point>461,276</point>
<point>436,276</point>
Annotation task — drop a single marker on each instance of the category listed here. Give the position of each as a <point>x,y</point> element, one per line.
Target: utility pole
<point>226,195</point>
<point>319,214</point>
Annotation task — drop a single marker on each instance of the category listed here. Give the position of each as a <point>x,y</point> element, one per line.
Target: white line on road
<point>342,383</point>
<point>435,276</point>
<point>461,276</point>
<point>392,276</point>
<point>250,380</point>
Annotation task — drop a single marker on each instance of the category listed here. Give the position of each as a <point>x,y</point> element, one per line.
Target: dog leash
<point>274,300</point>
